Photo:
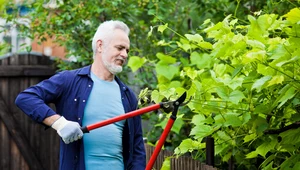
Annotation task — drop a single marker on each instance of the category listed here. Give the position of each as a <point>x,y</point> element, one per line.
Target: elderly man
<point>89,95</point>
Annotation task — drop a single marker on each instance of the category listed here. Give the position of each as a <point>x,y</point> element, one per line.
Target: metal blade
<point>181,98</point>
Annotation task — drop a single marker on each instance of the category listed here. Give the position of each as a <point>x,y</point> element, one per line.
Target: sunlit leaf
<point>278,79</point>
<point>168,71</point>
<point>252,154</point>
<point>198,119</point>
<point>201,60</point>
<point>165,59</point>
<point>256,44</point>
<point>258,84</point>
<point>156,96</point>
<point>293,16</point>
<point>236,96</point>
<point>200,131</point>
<point>196,37</point>
<point>166,164</point>
<point>249,137</point>
<point>162,28</point>
<point>136,62</point>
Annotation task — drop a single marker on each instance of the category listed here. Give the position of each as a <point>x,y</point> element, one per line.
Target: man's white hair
<point>106,30</point>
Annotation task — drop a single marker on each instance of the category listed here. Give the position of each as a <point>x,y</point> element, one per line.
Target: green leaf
<point>156,96</point>
<point>185,146</point>
<point>293,16</point>
<point>233,83</point>
<point>223,93</point>
<point>258,84</point>
<point>188,145</point>
<point>196,37</point>
<point>227,156</point>
<point>254,56</point>
<point>236,96</point>
<point>198,119</point>
<point>256,44</point>
<point>201,131</point>
<point>201,60</point>
<point>269,167</point>
<point>291,162</point>
<point>166,91</point>
<point>223,136</point>
<point>168,71</point>
<point>191,73</point>
<point>278,79</point>
<point>206,45</point>
<point>232,119</point>
<point>265,70</point>
<point>292,60</point>
<point>165,59</point>
<point>176,126</point>
<point>290,93</point>
<point>220,69</point>
<point>166,164</point>
<point>136,62</point>
<point>252,154</point>
<point>162,28</point>
<point>265,147</point>
<point>249,137</point>
<point>267,162</point>
<point>290,137</point>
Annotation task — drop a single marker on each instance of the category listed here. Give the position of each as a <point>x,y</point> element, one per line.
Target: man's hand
<point>69,131</point>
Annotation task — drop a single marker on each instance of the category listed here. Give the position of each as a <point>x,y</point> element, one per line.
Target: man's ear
<point>99,46</point>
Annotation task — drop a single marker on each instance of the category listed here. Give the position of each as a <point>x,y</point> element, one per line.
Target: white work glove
<point>69,131</point>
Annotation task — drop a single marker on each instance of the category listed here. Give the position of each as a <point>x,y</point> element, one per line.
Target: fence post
<point>231,163</point>
<point>210,151</point>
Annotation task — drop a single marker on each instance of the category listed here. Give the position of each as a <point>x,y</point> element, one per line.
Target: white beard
<point>114,69</point>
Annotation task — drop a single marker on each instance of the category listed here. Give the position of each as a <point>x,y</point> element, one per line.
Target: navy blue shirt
<point>69,91</point>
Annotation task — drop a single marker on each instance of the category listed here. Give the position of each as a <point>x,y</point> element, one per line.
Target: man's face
<point>115,51</point>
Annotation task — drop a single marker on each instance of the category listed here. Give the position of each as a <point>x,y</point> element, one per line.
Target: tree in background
<point>238,61</point>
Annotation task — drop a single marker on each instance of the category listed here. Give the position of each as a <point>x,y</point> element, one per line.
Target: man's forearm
<point>51,119</point>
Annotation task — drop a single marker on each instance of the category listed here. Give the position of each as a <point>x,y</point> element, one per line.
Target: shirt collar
<point>87,69</point>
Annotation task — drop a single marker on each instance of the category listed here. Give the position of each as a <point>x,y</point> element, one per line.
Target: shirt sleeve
<point>34,100</point>
<point>139,154</point>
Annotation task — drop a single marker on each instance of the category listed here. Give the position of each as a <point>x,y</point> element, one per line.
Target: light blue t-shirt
<point>103,146</point>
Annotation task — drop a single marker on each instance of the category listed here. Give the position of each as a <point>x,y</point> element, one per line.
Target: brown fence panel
<point>24,144</point>
<point>180,163</point>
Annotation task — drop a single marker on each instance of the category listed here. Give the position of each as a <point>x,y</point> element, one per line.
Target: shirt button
<point>79,118</point>
<point>124,88</point>
<point>90,85</point>
<point>122,98</point>
<point>83,100</point>
<point>75,100</point>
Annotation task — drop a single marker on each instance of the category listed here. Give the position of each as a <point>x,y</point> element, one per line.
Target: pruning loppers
<point>171,106</point>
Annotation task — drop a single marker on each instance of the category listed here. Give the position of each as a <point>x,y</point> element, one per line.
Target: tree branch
<point>278,131</point>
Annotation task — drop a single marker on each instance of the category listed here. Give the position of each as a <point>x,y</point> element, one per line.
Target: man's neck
<point>101,72</point>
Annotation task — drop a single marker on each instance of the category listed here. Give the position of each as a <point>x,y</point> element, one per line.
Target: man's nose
<point>124,53</point>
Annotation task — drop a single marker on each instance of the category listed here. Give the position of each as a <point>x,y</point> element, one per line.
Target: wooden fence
<point>181,163</point>
<point>24,144</point>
